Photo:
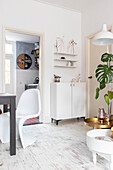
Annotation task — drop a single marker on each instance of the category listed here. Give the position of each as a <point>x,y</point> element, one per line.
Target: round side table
<point>97,124</point>
<point>102,147</point>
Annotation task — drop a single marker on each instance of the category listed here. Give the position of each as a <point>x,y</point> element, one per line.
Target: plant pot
<point>57,79</point>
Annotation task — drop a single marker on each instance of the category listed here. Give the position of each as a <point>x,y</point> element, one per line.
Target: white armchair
<point>29,106</point>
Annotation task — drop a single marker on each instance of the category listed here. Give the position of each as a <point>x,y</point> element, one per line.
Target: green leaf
<point>110,94</point>
<point>102,85</point>
<point>106,97</point>
<point>107,57</point>
<point>111,68</point>
<point>97,93</point>
<point>97,74</point>
<point>104,74</point>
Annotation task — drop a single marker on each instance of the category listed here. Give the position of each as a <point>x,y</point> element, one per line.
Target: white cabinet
<point>68,100</point>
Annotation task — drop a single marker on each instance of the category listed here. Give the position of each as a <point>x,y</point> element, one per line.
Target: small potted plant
<point>56,78</point>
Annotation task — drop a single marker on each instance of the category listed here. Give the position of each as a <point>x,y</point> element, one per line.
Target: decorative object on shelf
<point>69,63</point>
<point>37,58</point>
<point>36,51</point>
<point>36,44</point>
<point>73,80</point>
<point>36,81</point>
<point>56,78</point>
<point>24,61</point>
<point>104,73</point>
<point>56,46</point>
<point>79,78</point>
<point>71,46</point>
<point>59,46</point>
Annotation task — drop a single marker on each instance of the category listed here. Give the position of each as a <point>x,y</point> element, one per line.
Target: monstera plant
<point>104,75</point>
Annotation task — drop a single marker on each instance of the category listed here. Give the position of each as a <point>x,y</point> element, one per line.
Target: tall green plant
<point>104,74</point>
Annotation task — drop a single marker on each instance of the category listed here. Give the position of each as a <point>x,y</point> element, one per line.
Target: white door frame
<point>41,70</point>
<point>88,68</point>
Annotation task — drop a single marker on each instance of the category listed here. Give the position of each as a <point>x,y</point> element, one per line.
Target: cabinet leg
<point>83,118</point>
<point>77,118</point>
<point>51,120</point>
<point>57,122</point>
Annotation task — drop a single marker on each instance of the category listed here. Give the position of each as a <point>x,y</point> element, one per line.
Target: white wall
<point>94,15</point>
<point>24,77</point>
<point>52,21</point>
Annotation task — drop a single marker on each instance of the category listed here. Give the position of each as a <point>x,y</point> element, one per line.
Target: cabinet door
<point>79,100</point>
<point>63,101</point>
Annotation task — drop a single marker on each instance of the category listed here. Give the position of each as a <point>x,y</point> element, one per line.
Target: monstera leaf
<point>107,57</point>
<point>104,75</point>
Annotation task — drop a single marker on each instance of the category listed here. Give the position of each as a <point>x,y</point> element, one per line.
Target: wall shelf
<point>63,53</point>
<point>64,66</point>
<point>65,60</point>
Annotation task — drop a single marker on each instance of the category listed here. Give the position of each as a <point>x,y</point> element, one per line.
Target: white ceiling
<point>77,5</point>
<point>12,36</point>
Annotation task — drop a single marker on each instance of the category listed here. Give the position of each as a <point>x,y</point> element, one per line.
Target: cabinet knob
<point>70,84</point>
<point>73,84</point>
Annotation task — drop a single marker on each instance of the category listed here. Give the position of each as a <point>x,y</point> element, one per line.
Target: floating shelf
<point>65,66</point>
<point>65,60</point>
<point>61,53</point>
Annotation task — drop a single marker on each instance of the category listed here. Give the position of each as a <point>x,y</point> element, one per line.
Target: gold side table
<point>98,123</point>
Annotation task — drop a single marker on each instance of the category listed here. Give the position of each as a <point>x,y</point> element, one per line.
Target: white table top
<point>97,145</point>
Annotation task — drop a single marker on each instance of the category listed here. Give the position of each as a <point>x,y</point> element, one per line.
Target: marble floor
<point>61,147</point>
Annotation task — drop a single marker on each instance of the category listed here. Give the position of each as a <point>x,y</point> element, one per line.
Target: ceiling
<point>12,36</point>
<point>77,5</point>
